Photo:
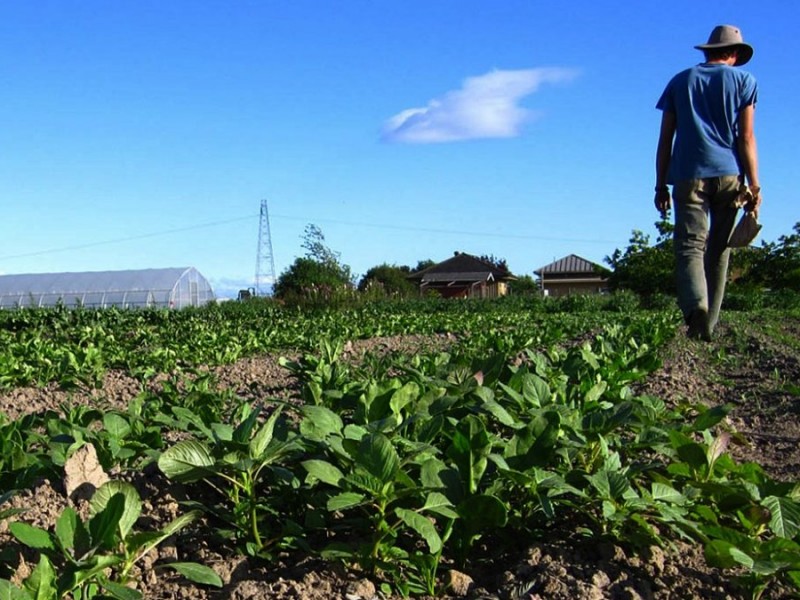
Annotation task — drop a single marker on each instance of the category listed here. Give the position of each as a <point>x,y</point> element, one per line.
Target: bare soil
<point>757,373</point>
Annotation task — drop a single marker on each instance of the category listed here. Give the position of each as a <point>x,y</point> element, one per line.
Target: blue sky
<point>145,134</point>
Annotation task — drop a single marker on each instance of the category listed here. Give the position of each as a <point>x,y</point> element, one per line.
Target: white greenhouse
<point>159,288</point>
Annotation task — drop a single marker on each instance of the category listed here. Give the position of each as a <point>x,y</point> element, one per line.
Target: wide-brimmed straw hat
<point>728,36</point>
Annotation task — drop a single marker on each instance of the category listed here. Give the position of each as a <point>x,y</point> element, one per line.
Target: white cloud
<point>486,106</point>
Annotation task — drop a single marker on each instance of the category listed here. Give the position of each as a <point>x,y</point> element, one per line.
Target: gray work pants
<point>701,249</point>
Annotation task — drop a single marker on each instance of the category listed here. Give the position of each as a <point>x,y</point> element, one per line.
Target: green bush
<point>785,299</point>
<point>659,302</point>
<point>575,303</point>
<point>623,301</point>
<point>743,298</point>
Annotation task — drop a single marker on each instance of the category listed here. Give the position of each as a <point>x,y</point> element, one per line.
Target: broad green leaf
<point>694,454</point>
<point>428,429</point>
<point>184,414</point>
<point>609,509</point>
<point>379,409</point>
<point>9,591</point>
<point>710,417</point>
<point>116,425</point>
<point>180,522</point>
<point>262,439</point>
<point>11,512</point>
<point>403,397</point>
<point>338,551</point>
<point>344,501</point>
<point>536,391</point>
<point>187,461</point>
<point>41,583</point>
<point>438,503</point>
<point>707,514</point>
<point>609,484</point>
<point>666,493</point>
<point>430,473</point>
<point>31,536</point>
<point>132,503</point>
<point>121,592</point>
<point>483,511</point>
<point>518,398</point>
<point>140,539</point>
<point>244,431</point>
<point>222,432</point>
<point>319,423</point>
<point>66,524</point>
<point>784,516</point>
<point>495,409</point>
<point>533,446</point>
<point>423,526</point>
<point>366,482</point>
<point>718,554</point>
<point>741,557</point>
<point>105,524</point>
<point>596,392</point>
<point>767,568</point>
<point>355,432</point>
<point>589,357</point>
<point>91,568</point>
<point>469,450</point>
<point>386,425</point>
<point>145,541</point>
<point>794,577</point>
<point>377,455</point>
<point>324,471</point>
<point>197,573</point>
<point>436,474</point>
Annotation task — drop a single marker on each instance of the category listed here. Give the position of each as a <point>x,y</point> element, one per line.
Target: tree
<point>319,275</point>
<point>498,263</point>
<point>642,268</point>
<point>775,265</point>
<point>422,265</point>
<point>317,250</point>
<point>525,285</point>
<point>391,279</point>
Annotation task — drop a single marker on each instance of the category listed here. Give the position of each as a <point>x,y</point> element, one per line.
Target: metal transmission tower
<point>265,263</point>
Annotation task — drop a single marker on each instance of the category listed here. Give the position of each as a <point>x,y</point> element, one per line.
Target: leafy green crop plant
<point>745,519</point>
<point>23,452</point>
<point>373,480</point>
<point>243,465</point>
<point>95,559</point>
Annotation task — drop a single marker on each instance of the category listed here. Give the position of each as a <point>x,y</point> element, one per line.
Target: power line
<point>414,229</point>
<point>127,239</point>
<point>448,231</point>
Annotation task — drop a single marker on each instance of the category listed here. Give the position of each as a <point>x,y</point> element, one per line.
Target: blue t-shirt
<point>706,101</point>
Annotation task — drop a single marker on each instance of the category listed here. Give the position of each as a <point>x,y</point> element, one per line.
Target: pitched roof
<point>572,264</point>
<point>462,267</point>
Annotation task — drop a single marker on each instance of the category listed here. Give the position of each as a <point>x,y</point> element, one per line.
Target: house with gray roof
<point>463,276</point>
<point>572,275</point>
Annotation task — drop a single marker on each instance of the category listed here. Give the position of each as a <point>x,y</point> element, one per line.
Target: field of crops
<point>513,449</point>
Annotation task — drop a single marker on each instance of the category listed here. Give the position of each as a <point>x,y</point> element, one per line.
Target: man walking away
<point>707,151</point>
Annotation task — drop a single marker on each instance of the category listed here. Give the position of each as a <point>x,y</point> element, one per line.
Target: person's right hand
<point>663,201</point>
<point>754,201</point>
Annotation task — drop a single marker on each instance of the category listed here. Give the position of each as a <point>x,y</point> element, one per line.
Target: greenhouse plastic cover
<point>166,288</point>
